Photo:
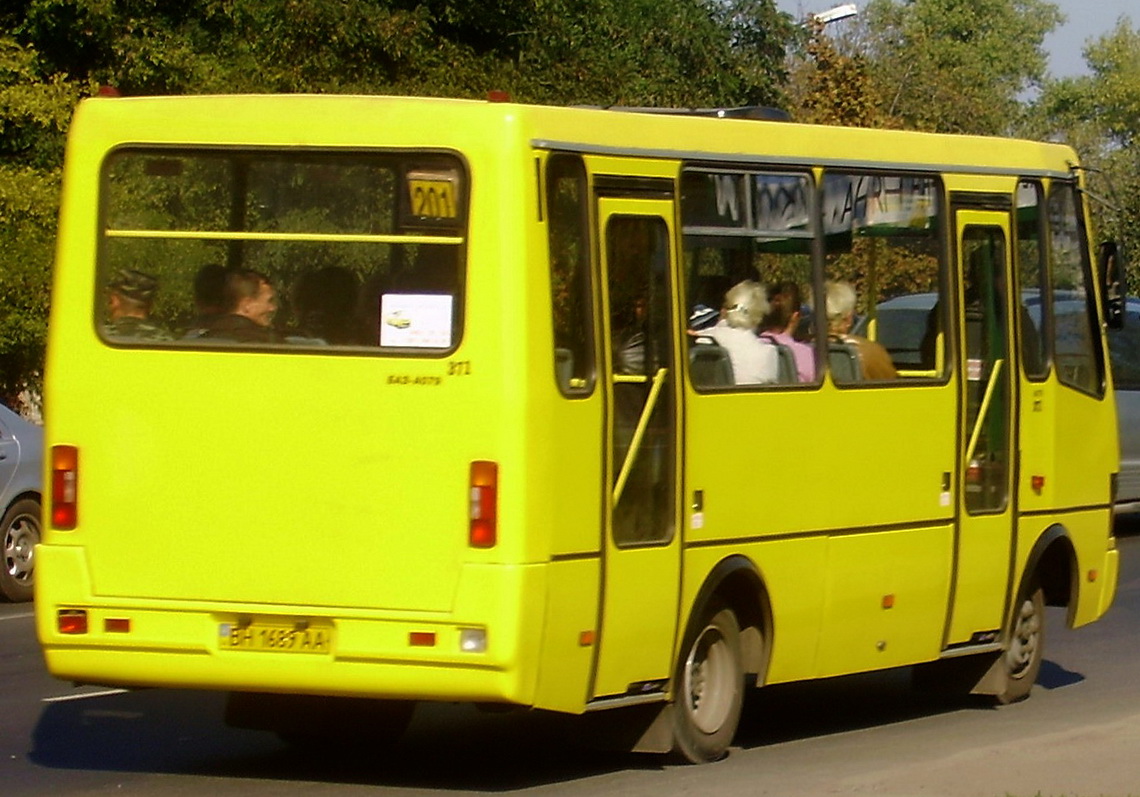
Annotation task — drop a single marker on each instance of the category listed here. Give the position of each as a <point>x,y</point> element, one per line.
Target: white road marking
<point>84,696</point>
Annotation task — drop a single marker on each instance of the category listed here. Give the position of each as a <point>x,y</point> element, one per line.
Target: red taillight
<point>64,487</point>
<point>483,513</point>
<point>72,621</point>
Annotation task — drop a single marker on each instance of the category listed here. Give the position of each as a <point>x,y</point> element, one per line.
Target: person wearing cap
<point>130,296</point>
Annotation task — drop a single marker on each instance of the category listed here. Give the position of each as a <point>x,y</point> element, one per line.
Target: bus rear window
<point>252,248</point>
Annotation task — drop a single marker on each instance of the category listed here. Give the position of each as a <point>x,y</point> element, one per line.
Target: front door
<point>642,547</point>
<point>986,437</point>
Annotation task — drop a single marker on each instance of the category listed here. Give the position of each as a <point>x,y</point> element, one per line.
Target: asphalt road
<point>1079,734</point>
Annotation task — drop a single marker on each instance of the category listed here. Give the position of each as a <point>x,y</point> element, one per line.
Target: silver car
<point>21,475</point>
<point>1124,347</point>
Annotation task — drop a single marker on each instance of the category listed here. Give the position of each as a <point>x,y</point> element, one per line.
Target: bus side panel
<point>810,462</point>
<point>886,593</point>
<point>1086,432</point>
<point>568,637</point>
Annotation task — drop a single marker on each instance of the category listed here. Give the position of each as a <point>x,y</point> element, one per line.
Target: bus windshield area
<point>259,248</point>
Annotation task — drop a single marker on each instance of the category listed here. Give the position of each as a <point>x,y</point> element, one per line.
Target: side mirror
<point>1110,262</point>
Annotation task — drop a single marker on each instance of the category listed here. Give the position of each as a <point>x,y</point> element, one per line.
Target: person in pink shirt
<point>780,322</point>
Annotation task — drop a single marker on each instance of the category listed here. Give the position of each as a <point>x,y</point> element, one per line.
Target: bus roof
<point>320,121</point>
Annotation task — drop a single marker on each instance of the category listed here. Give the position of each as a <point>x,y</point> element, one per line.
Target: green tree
<point>1099,114</point>
<point>34,113</point>
<point>831,84</point>
<point>957,66</point>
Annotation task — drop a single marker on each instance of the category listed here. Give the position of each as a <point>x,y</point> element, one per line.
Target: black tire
<point>21,533</point>
<point>1024,652</point>
<point>710,690</point>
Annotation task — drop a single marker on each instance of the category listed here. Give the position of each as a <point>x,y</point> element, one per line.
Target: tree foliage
<point>1099,114</point>
<point>957,66</point>
<point>629,52</point>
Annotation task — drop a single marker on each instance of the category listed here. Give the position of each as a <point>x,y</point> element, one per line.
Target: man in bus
<point>251,304</point>
<point>130,297</point>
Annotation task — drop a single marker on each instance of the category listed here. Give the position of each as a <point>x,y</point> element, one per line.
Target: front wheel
<point>710,690</point>
<point>21,530</point>
<point>1023,656</point>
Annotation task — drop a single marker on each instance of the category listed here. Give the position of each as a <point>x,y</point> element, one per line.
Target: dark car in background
<point>21,475</point>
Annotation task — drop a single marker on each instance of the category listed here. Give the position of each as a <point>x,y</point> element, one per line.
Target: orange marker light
<point>117,625</point>
<point>421,639</point>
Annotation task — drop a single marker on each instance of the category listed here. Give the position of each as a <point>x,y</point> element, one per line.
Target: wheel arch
<point>1052,564</point>
<point>33,495</point>
<point>736,582</point>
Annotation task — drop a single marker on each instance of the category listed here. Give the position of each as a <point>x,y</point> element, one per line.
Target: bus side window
<point>569,253</point>
<point>1031,278</point>
<point>1076,340</point>
<point>884,238</point>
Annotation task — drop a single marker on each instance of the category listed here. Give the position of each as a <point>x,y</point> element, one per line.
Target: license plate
<point>275,637</point>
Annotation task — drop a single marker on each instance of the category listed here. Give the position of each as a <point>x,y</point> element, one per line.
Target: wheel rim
<point>708,687</point>
<point>1026,638</point>
<point>20,548</point>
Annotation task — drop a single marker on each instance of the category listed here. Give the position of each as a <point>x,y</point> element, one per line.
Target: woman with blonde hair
<point>754,361</point>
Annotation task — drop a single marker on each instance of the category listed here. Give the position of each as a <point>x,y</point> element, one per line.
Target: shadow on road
<point>449,747</point>
<point>446,747</point>
<point>1054,676</point>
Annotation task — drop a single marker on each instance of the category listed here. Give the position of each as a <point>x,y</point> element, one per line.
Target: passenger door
<point>642,545</point>
<point>986,438</point>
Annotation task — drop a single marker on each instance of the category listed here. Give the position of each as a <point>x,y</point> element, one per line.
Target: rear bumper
<point>181,644</point>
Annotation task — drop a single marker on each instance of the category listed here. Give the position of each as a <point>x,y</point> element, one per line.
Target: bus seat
<point>843,359</point>
<point>563,368</point>
<point>786,365</point>
<point>709,365</point>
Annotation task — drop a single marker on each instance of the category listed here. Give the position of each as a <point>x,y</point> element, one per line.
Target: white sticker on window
<point>416,320</point>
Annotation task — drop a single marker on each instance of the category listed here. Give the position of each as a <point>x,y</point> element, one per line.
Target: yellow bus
<point>354,402</point>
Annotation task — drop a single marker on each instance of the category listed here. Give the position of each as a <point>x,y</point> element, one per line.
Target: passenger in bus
<point>754,361</point>
<point>209,298</point>
<point>251,304</point>
<point>130,296</point>
<point>781,322</point>
<point>324,303</point>
<point>630,338</point>
<point>874,360</point>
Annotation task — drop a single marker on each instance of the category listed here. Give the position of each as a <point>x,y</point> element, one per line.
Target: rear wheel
<point>21,529</point>
<point>1024,653</point>
<point>710,690</point>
